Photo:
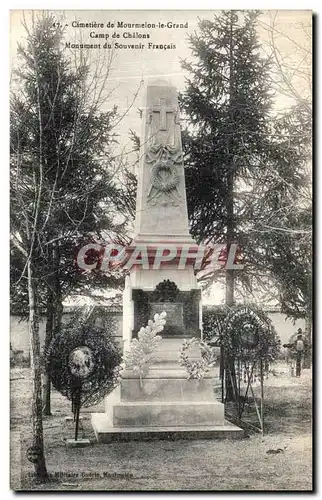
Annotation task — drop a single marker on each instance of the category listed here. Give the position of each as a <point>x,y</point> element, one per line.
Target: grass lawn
<point>170,465</point>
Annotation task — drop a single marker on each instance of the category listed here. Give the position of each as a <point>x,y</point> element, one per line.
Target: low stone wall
<point>19,336</point>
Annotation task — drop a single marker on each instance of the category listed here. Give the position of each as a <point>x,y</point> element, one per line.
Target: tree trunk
<point>48,337</point>
<point>36,410</point>
<point>53,324</point>
<point>54,318</point>
<point>307,358</point>
<point>230,379</point>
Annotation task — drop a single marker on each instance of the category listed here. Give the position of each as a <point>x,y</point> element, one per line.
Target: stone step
<point>169,369</point>
<point>169,350</point>
<point>105,433</point>
<point>174,344</point>
<point>167,389</point>
<point>172,356</point>
<point>167,413</point>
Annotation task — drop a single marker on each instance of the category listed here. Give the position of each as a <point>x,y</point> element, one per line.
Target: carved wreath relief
<point>164,175</point>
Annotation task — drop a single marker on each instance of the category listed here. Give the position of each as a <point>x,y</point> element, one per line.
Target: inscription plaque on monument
<point>174,312</point>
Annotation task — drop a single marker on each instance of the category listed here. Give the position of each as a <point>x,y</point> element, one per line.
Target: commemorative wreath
<point>196,369</point>
<point>248,335</point>
<point>84,363</point>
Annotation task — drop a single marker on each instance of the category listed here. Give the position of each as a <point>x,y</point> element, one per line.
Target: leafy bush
<point>140,355</point>
<point>213,321</point>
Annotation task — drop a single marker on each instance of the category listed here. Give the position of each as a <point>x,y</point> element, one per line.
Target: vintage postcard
<point>161,248</point>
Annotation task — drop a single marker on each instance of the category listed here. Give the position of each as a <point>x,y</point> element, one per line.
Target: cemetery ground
<point>279,460</point>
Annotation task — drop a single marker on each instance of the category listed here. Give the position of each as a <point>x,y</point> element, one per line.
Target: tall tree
<point>226,103</point>
<point>62,189</point>
<point>280,245</point>
<point>287,203</point>
<point>232,142</point>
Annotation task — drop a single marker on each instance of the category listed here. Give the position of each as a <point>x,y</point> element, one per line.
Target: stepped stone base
<point>105,433</point>
<point>166,389</point>
<point>166,405</point>
<point>162,414</point>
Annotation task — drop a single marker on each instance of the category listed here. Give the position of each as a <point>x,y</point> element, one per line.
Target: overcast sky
<point>130,67</point>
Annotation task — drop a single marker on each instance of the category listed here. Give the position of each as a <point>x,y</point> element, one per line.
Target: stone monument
<point>167,403</point>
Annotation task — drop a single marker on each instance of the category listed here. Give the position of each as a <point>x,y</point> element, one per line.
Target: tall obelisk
<point>161,207</point>
<point>162,219</point>
<point>167,403</point>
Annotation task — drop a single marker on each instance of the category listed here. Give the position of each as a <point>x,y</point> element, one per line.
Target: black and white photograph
<point>161,297</point>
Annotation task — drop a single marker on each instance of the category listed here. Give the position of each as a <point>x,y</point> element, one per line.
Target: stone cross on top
<point>162,109</point>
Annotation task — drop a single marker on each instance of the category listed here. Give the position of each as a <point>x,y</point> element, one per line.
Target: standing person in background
<point>296,349</point>
<point>299,346</point>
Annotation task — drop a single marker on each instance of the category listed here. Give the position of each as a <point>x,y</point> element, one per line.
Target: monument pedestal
<point>165,406</point>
